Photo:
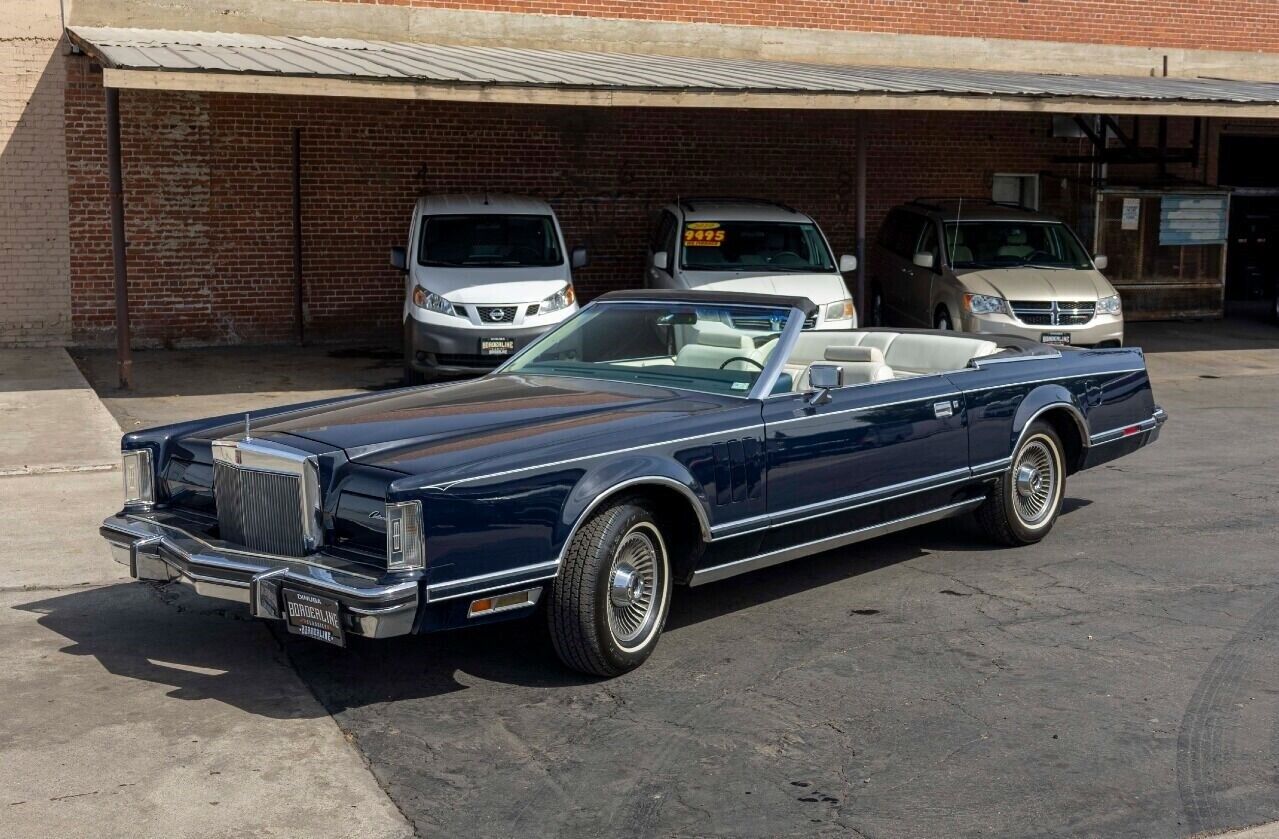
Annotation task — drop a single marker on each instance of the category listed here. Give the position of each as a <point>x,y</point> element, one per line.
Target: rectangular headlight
<point>405,547</point>
<point>139,477</point>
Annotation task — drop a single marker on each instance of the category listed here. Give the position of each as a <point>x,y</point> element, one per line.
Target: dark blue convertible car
<point>656,438</point>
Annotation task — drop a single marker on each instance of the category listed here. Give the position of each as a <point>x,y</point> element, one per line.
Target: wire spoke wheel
<point>1036,482</point>
<point>635,586</point>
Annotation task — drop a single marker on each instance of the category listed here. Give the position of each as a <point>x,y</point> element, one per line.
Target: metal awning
<point>317,66</point>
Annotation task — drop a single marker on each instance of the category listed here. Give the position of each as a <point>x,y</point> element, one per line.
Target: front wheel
<point>608,605</point>
<point>942,320</point>
<point>1026,499</point>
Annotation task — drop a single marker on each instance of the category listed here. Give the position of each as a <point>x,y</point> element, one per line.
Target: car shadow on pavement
<point>208,649</point>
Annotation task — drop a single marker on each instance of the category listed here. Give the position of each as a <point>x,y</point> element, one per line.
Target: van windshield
<point>759,246</point>
<point>497,241</point>
<point>1005,244</point>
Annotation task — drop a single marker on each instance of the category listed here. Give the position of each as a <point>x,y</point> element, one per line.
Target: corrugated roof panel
<point>140,49</point>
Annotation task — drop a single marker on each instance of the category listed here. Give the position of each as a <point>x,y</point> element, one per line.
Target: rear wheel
<point>1026,499</point>
<point>608,605</point>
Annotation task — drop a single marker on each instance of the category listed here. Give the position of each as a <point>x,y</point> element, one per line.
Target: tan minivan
<point>978,266</point>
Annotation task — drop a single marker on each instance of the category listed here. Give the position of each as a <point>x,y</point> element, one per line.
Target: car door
<point>918,288</point>
<point>903,231</point>
<point>875,452</point>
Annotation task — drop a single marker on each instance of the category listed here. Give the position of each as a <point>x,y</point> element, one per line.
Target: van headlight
<point>840,310</point>
<point>984,304</point>
<point>405,547</point>
<point>1109,305</point>
<point>139,477</point>
<point>432,302</point>
<point>561,299</point>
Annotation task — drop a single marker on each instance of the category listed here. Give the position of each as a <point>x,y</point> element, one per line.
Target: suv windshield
<point>709,348</point>
<point>754,246</point>
<point>490,240</point>
<point>1003,244</point>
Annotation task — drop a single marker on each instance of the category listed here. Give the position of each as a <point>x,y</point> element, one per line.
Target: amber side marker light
<point>503,602</point>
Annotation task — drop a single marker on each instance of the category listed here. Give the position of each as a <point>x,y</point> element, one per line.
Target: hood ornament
<point>246,427</point>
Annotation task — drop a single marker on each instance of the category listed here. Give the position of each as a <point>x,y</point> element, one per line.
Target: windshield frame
<point>976,265</point>
<point>762,387</point>
<point>830,265</point>
<point>546,218</point>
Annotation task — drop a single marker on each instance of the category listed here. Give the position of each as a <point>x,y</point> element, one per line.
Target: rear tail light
<point>405,547</point>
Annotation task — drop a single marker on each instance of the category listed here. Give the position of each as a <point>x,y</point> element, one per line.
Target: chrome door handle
<point>944,409</point>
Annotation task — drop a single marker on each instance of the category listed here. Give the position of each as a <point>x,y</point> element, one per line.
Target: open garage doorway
<point>1250,164</point>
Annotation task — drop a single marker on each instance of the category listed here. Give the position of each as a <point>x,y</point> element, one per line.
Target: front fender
<point>610,479</point>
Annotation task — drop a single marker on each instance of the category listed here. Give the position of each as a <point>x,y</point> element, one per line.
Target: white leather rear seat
<point>904,354</point>
<point>860,365</point>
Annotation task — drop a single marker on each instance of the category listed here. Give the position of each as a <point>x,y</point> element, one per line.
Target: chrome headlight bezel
<point>558,301</point>
<point>1111,305</point>
<point>138,468</point>
<point>985,304</point>
<point>405,542</point>
<point>426,299</point>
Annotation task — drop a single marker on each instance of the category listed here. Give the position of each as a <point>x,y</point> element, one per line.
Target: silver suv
<point>977,266</point>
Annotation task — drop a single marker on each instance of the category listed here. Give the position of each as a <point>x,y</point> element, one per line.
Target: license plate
<point>314,617</point>
<point>1054,338</point>
<point>497,346</point>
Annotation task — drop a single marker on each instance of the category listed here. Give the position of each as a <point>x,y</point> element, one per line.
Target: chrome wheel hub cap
<point>633,605</point>
<point>1035,482</point>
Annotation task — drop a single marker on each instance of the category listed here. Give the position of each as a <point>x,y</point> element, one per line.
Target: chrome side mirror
<point>579,259</point>
<point>1101,262</point>
<point>847,263</point>
<point>659,260</point>
<point>399,259</point>
<point>925,260</point>
<point>822,379</point>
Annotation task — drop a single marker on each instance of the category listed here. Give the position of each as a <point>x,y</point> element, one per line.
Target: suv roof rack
<point>687,203</point>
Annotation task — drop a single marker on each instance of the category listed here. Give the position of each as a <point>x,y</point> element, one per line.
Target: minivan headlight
<point>405,548</point>
<point>984,304</point>
<point>840,310</point>
<point>561,299</point>
<point>139,477</point>
<point>432,302</point>
<point>1109,305</point>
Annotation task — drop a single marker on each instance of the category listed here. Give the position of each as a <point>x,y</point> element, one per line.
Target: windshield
<point>1001,244</point>
<point>489,240</point>
<point>709,348</point>
<point>758,246</point>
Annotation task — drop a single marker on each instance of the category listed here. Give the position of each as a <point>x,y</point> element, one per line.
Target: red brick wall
<point>1191,24</point>
<point>207,183</point>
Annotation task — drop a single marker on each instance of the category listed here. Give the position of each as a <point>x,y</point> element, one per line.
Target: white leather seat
<point>913,354</point>
<point>712,348</point>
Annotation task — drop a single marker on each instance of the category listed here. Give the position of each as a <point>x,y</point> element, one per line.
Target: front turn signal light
<point>405,546</point>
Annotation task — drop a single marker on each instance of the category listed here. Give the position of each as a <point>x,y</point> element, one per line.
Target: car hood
<point>819,288</point>
<point>484,425</point>
<point>1046,284</point>
<point>492,285</point>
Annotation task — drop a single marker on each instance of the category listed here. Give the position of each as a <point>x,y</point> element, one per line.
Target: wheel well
<point>680,525</point>
<point>943,309</point>
<point>1072,439</point>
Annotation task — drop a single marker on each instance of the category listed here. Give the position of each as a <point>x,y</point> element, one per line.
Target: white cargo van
<point>483,276</point>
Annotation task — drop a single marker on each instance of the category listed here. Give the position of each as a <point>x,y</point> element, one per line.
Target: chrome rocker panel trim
<point>153,551</point>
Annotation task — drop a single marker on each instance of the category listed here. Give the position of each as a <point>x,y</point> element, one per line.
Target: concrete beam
<point>514,94</point>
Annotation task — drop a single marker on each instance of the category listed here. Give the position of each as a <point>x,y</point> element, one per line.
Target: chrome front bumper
<point>152,551</point>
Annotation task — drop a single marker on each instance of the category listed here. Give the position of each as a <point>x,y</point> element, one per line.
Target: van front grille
<point>1053,313</point>
<point>261,511</point>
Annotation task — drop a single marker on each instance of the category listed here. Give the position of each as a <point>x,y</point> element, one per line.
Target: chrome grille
<point>1053,313</point>
<point>261,511</point>
<point>496,314</point>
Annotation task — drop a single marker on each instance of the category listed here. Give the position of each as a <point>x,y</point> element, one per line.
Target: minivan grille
<point>763,324</point>
<point>1053,313</point>
<point>261,511</point>
<point>496,314</point>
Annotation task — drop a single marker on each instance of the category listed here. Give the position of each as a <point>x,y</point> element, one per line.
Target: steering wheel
<point>741,358</point>
<point>785,256</point>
